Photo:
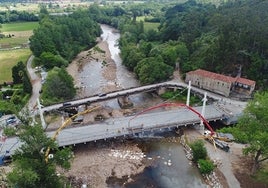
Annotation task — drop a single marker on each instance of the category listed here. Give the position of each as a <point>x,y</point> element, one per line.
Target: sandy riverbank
<point>95,162</point>
<point>95,56</point>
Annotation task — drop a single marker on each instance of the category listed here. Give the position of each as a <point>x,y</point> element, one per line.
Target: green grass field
<point>19,26</point>
<point>148,25</point>
<point>10,58</point>
<point>20,31</point>
<point>13,42</point>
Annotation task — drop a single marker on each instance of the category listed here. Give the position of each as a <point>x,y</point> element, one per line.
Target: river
<point>171,168</point>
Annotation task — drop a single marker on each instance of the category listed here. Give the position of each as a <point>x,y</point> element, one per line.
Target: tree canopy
<point>252,128</point>
<point>60,38</point>
<point>30,168</point>
<point>20,76</point>
<point>219,38</point>
<point>15,16</point>
<point>58,87</point>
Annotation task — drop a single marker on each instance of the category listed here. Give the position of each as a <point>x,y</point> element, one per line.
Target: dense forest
<point>192,35</point>
<point>15,16</point>
<point>60,38</point>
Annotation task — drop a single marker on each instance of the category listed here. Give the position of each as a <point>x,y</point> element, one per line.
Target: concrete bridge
<point>157,120</point>
<point>232,108</point>
<point>113,95</point>
<point>131,91</point>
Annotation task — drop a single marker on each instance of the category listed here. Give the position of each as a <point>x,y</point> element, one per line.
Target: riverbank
<point>99,54</point>
<point>95,162</point>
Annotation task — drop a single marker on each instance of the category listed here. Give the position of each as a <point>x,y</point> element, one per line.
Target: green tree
<point>20,75</point>
<point>199,150</point>
<point>50,60</point>
<point>169,55</point>
<point>27,85</point>
<point>132,56</point>
<point>18,72</point>
<point>252,128</point>
<point>59,86</point>
<point>152,70</point>
<point>30,168</point>
<point>205,166</point>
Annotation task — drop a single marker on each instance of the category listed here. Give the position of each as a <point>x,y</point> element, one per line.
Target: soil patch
<point>242,171</point>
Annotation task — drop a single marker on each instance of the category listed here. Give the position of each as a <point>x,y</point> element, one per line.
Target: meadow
<point>148,25</point>
<point>19,26</point>
<point>10,58</point>
<point>14,49</point>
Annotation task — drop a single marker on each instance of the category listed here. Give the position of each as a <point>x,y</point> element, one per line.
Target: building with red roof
<point>219,83</point>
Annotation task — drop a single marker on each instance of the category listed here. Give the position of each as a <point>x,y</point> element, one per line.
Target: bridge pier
<point>161,90</point>
<point>124,102</point>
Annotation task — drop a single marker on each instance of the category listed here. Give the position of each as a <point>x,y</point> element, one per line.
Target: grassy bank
<point>10,58</point>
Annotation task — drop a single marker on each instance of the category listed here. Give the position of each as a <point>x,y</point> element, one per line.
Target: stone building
<point>221,84</point>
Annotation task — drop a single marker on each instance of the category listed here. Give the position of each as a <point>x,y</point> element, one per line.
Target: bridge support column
<point>161,90</point>
<point>124,102</point>
<point>203,111</point>
<point>188,94</point>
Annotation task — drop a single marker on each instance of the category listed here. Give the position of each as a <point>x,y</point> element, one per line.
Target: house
<point>219,83</point>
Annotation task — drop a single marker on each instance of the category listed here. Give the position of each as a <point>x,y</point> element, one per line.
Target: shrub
<point>205,166</point>
<point>199,150</point>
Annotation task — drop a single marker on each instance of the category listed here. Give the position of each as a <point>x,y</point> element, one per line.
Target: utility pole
<point>188,94</point>
<point>203,111</point>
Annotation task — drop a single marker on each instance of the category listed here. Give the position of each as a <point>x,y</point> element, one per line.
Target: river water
<point>171,169</point>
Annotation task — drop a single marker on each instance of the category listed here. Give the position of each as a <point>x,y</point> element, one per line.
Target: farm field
<point>10,58</point>
<point>29,7</point>
<point>35,7</point>
<point>19,26</point>
<point>148,25</point>
<point>15,48</point>
<point>19,34</point>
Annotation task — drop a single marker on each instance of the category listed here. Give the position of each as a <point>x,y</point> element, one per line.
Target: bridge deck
<point>117,127</point>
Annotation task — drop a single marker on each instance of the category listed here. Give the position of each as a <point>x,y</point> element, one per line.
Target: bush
<point>205,166</point>
<point>10,131</point>
<point>199,150</point>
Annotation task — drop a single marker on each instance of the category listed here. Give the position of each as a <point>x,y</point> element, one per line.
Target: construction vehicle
<point>219,139</point>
